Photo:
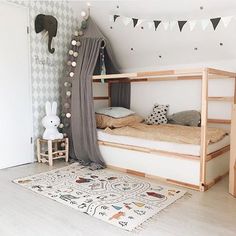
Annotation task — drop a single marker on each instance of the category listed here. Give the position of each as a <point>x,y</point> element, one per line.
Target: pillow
<point>104,121</point>
<point>186,118</point>
<point>158,115</point>
<point>115,112</point>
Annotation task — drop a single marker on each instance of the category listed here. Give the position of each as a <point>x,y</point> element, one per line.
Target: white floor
<point>24,213</point>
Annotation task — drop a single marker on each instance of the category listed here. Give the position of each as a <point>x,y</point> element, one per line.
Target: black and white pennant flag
<point>135,21</point>
<point>166,24</point>
<point>215,22</point>
<point>126,20</point>
<point>226,20</point>
<point>192,24</point>
<point>150,24</point>
<point>205,23</point>
<point>172,23</point>
<point>156,23</point>
<point>181,24</point>
<point>115,17</point>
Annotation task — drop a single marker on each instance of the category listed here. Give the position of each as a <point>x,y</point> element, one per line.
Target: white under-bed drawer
<point>179,169</point>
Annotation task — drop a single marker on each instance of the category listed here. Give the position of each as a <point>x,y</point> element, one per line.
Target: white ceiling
<point>173,47</point>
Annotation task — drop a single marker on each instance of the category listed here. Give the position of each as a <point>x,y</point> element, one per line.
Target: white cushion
<point>115,112</point>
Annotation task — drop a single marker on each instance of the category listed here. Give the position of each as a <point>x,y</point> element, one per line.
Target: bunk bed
<point>197,167</point>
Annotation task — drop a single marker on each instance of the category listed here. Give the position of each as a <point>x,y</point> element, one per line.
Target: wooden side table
<point>49,150</point>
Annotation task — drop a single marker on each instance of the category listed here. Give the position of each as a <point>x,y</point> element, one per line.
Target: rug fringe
<point>155,217</point>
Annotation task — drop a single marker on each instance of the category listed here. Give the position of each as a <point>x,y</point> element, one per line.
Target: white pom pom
<point>76,33</point>
<point>68,115</point>
<point>73,64</point>
<point>71,52</point>
<point>61,126</point>
<point>67,84</point>
<point>73,42</point>
<point>83,14</point>
<point>72,74</point>
<point>78,44</point>
<point>67,105</point>
<point>75,54</point>
<point>68,93</point>
<point>69,63</point>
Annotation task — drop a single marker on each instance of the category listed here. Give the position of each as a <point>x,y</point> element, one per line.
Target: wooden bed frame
<point>204,164</point>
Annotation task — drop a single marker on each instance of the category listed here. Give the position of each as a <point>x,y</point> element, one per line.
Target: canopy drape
<point>82,130</point>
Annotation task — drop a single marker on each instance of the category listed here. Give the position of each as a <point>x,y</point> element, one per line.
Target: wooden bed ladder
<point>204,118</point>
<point>204,121</point>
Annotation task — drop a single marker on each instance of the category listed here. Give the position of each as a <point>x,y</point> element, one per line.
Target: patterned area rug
<point>115,198</point>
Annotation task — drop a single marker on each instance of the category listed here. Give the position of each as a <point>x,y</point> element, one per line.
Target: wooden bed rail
<point>185,74</point>
<point>232,170</point>
<point>219,121</point>
<point>209,156</point>
<point>224,73</point>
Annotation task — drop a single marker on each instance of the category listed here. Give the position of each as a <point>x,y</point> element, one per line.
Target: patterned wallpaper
<point>48,69</point>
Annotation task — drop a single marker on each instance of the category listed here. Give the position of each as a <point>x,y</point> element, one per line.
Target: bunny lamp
<point>51,122</point>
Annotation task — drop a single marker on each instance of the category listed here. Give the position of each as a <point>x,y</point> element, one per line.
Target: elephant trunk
<point>51,50</point>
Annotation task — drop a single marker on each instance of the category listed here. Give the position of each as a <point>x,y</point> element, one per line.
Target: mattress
<point>188,149</point>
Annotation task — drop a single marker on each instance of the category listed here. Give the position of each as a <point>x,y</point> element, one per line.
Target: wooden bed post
<point>109,94</point>
<point>204,117</point>
<point>232,165</point>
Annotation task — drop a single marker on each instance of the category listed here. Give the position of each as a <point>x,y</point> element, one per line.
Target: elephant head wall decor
<point>49,24</point>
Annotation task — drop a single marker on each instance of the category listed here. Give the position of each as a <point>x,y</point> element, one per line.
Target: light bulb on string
<point>73,42</point>
<point>83,14</point>
<point>75,54</point>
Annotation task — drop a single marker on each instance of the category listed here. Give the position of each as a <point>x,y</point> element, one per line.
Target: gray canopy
<point>82,129</point>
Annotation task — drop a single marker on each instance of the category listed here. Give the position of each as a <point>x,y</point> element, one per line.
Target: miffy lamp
<point>50,122</point>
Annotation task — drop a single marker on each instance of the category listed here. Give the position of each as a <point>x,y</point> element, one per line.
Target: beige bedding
<point>169,133</point>
<point>104,121</point>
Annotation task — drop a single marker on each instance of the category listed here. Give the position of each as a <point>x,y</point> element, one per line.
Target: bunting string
<point>155,24</point>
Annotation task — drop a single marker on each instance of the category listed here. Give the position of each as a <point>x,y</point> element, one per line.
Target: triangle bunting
<point>215,22</point>
<point>115,17</point>
<point>156,23</point>
<point>181,24</point>
<point>170,24</point>
<point>135,21</point>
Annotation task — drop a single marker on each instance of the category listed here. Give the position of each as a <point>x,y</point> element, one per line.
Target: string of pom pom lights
<point>72,63</point>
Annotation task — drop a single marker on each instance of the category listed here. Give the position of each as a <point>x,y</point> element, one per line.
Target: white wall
<point>180,95</point>
<point>176,49</point>
<point>184,95</point>
<point>48,69</point>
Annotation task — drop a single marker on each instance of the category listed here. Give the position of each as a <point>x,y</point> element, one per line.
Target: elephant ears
<point>39,23</point>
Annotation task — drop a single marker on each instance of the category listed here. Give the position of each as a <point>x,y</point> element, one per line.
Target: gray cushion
<point>187,118</point>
